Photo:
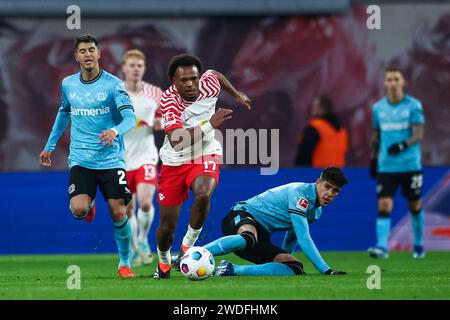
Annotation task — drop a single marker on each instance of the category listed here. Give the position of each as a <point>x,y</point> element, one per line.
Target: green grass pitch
<point>402,277</point>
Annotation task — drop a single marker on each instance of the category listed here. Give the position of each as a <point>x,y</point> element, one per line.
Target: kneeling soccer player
<point>291,207</point>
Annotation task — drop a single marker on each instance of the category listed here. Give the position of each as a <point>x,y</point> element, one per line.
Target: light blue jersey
<point>91,107</point>
<point>394,123</point>
<point>274,207</point>
<point>290,207</point>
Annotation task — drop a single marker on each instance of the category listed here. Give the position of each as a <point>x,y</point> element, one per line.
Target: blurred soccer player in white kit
<point>141,154</point>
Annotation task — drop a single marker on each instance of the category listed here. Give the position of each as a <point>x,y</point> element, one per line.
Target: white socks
<point>191,236</point>
<point>164,256</point>
<point>145,222</point>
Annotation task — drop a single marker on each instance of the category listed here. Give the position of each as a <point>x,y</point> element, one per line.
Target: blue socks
<point>226,245</point>
<point>383,230</point>
<point>266,269</point>
<point>122,235</point>
<point>417,221</point>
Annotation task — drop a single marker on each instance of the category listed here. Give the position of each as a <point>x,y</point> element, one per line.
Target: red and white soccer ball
<point>197,263</point>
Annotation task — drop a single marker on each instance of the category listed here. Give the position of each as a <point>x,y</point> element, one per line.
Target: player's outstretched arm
<point>307,245</point>
<point>45,158</point>
<point>228,87</point>
<point>61,122</point>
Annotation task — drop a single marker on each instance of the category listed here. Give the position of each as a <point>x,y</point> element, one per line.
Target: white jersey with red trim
<point>179,113</point>
<point>140,145</point>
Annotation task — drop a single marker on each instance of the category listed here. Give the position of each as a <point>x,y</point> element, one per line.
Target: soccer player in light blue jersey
<point>398,126</point>
<point>291,208</point>
<point>100,112</point>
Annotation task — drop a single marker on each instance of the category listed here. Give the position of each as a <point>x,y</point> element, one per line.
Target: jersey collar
<point>93,80</point>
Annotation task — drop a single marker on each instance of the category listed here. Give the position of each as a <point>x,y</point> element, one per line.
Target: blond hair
<point>133,53</point>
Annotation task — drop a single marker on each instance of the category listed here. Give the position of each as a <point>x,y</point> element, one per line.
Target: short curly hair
<point>183,60</point>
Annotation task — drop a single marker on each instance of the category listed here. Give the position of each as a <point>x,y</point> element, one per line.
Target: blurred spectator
<point>324,142</point>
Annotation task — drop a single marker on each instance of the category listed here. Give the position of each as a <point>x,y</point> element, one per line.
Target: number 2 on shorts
<point>121,174</point>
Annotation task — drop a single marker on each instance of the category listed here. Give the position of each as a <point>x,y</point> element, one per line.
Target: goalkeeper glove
<point>373,168</point>
<point>396,148</point>
<point>332,272</point>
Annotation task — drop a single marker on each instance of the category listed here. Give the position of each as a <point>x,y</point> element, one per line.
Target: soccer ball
<point>197,263</point>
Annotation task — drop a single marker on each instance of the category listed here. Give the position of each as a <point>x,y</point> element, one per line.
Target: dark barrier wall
<point>35,216</point>
<point>281,63</point>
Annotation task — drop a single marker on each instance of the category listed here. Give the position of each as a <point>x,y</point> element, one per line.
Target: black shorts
<point>411,182</point>
<point>264,251</point>
<point>112,183</point>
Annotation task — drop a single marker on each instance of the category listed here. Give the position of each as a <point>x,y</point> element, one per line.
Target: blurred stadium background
<point>281,53</point>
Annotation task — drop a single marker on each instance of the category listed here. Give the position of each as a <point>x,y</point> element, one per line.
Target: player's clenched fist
<point>220,117</point>
<point>45,158</point>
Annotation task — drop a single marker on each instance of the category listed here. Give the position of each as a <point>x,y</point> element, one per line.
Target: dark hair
<point>87,38</point>
<point>334,175</point>
<point>326,103</point>
<point>393,69</point>
<point>183,60</point>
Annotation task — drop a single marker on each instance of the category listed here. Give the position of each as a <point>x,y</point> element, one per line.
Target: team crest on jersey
<point>169,119</point>
<point>302,204</point>
<point>126,101</point>
<point>161,197</point>
<point>71,188</point>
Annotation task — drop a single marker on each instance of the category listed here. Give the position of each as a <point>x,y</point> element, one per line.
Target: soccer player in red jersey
<point>191,155</point>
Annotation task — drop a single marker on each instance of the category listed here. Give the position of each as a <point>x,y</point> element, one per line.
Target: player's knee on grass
<point>250,239</point>
<point>296,266</point>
